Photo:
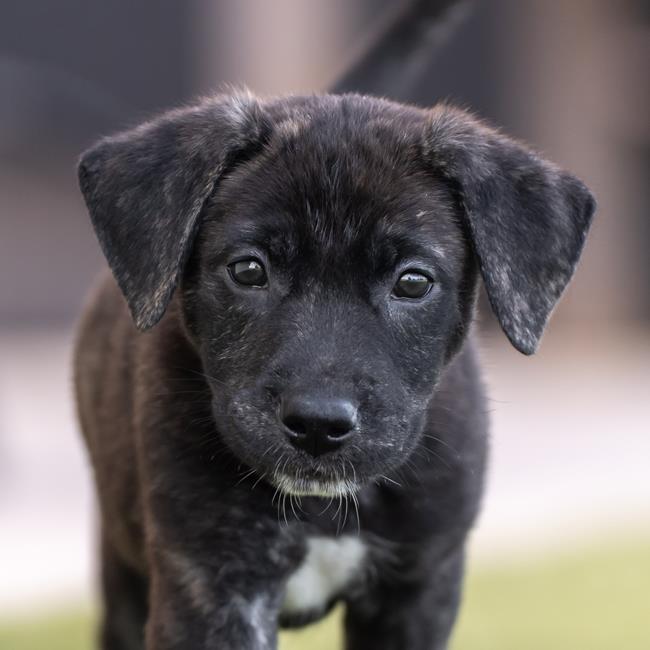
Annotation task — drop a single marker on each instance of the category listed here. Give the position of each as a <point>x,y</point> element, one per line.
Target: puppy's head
<point>327,251</point>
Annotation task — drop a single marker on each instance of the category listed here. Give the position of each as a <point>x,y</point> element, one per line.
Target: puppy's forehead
<point>333,174</point>
<point>291,116</point>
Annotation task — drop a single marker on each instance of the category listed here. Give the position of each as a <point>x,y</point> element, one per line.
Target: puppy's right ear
<point>145,189</point>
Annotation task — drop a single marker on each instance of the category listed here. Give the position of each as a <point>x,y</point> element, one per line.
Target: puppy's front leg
<point>204,608</point>
<point>218,568</point>
<point>413,607</point>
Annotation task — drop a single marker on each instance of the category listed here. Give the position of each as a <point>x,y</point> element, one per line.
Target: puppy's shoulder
<point>103,354</point>
<point>105,323</point>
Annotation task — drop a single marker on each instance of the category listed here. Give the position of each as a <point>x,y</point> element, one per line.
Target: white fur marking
<point>314,488</point>
<point>257,610</point>
<point>329,566</point>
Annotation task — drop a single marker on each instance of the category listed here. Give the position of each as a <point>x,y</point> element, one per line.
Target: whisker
<point>390,480</point>
<point>249,473</point>
<point>293,509</point>
<point>441,441</point>
<point>259,478</point>
<point>355,501</point>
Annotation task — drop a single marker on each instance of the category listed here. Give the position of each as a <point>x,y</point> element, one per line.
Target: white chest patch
<point>329,566</point>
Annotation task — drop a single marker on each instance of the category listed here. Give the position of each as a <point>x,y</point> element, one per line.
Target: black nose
<point>316,423</point>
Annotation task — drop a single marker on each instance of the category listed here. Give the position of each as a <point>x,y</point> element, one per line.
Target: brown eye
<point>249,273</point>
<point>412,284</point>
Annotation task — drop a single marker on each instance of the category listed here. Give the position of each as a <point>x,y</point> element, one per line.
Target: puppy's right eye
<point>412,285</point>
<point>249,273</point>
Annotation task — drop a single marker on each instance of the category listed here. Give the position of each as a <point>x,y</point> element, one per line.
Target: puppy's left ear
<point>145,190</point>
<point>526,218</point>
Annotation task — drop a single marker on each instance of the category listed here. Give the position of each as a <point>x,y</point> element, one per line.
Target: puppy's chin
<point>311,487</point>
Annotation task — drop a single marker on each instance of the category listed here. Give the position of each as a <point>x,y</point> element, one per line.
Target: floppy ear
<point>145,189</point>
<point>527,219</point>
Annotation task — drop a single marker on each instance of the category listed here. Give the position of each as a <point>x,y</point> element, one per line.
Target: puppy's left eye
<point>249,273</point>
<point>412,284</point>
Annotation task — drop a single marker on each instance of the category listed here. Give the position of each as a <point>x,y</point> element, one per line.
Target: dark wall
<point>69,72</point>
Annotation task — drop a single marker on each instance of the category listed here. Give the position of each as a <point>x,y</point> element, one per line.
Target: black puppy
<point>305,422</point>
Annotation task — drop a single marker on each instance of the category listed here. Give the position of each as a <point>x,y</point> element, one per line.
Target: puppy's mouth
<point>315,487</point>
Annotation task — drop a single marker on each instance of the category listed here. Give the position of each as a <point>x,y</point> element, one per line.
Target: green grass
<point>69,630</point>
<point>593,600</point>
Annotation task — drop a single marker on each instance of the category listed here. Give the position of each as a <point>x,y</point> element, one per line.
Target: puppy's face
<point>327,251</point>
<point>329,285</point>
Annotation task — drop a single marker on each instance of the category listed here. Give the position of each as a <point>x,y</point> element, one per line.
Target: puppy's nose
<point>317,424</point>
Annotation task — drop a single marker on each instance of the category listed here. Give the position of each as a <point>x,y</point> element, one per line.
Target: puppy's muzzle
<point>316,423</point>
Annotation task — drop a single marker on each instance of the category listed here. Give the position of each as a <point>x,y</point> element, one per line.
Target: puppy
<point>278,389</point>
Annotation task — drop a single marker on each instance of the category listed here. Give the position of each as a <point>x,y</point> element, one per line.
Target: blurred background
<point>561,556</point>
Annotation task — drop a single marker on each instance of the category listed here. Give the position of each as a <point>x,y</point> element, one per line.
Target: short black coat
<point>337,195</point>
